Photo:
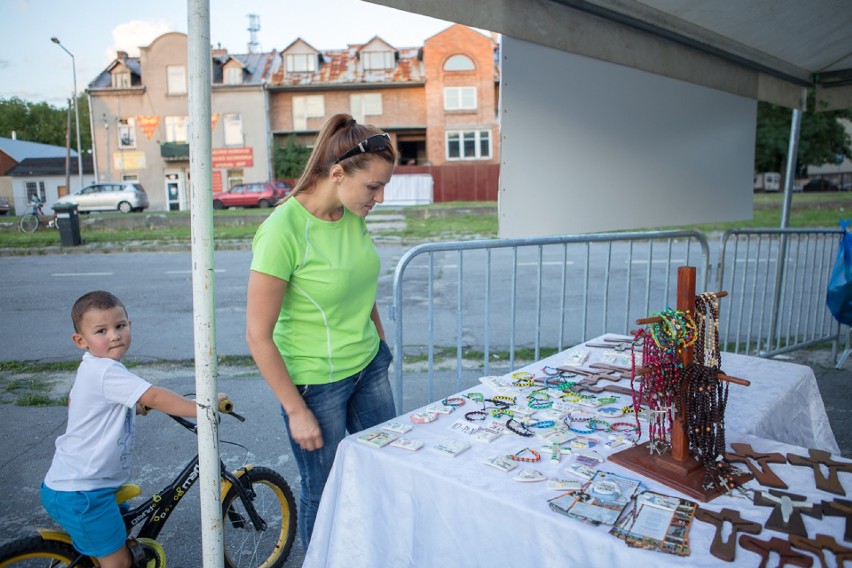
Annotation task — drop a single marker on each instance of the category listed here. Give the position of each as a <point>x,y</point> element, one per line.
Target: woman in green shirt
<point>311,319</point>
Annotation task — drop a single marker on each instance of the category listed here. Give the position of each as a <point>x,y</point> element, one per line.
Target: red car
<point>261,194</point>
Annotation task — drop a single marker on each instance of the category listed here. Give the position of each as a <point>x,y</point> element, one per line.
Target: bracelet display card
<point>653,521</point>
<point>376,438</point>
<point>463,427</point>
<point>407,444</point>
<point>576,358</point>
<point>501,463</point>
<point>398,427</point>
<point>451,446</point>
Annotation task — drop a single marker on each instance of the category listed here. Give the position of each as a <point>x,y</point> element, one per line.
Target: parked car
<point>819,184</point>
<point>121,196</point>
<point>261,194</point>
<point>4,206</point>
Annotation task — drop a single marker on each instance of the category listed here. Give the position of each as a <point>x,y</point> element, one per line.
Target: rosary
<point>661,358</point>
<point>706,397</point>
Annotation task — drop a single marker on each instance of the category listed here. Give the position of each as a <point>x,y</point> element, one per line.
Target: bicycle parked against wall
<point>258,510</point>
<point>36,217</point>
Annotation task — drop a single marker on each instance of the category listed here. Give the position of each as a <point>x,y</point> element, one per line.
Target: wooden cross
<point>823,542</point>
<point>787,511</point>
<point>722,549</point>
<point>775,544</point>
<point>840,508</point>
<point>818,458</point>
<point>764,475</point>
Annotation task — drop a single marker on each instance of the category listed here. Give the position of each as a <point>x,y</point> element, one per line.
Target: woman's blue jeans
<point>352,404</point>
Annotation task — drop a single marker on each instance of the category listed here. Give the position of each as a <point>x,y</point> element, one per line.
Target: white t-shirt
<point>95,451</point>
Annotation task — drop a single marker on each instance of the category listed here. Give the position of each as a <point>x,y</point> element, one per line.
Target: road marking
<point>83,274</point>
<point>190,271</point>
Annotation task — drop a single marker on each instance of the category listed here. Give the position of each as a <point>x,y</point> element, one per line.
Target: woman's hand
<point>305,429</point>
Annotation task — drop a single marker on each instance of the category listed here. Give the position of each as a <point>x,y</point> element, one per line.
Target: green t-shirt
<point>324,331</point>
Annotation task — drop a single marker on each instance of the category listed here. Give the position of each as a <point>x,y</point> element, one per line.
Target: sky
<point>35,69</point>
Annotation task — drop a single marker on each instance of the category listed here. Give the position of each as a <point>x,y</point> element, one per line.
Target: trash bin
<point>68,222</point>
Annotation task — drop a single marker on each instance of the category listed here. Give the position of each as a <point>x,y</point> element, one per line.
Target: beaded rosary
<point>706,397</point>
<point>661,358</point>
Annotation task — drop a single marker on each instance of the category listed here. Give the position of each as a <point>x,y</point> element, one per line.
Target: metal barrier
<point>507,295</point>
<point>777,306</point>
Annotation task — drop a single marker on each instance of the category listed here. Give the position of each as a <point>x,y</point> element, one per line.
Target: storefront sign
<point>233,157</point>
<point>128,161</point>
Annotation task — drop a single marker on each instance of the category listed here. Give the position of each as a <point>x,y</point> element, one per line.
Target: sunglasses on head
<point>375,143</point>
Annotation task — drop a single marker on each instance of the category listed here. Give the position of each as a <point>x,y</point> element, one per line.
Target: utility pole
<point>76,111</point>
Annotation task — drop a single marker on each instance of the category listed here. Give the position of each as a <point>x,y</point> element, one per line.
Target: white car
<point>121,196</point>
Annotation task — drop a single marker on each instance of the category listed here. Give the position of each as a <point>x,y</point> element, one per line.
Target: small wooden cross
<point>775,544</point>
<point>765,476</point>
<point>787,511</point>
<point>722,549</point>
<point>840,508</point>
<point>823,542</point>
<point>818,458</point>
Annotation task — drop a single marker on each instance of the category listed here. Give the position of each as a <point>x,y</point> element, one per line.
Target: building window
<point>469,145</point>
<point>235,177</point>
<point>130,177</point>
<point>373,60</point>
<point>361,106</point>
<point>176,75</point>
<point>177,128</point>
<point>460,98</point>
<point>126,133</point>
<point>459,63</point>
<point>301,62</point>
<point>35,189</point>
<point>121,80</point>
<point>233,124</point>
<point>305,108</point>
<point>233,75</point>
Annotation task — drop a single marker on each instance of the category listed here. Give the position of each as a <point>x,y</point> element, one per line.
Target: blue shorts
<point>92,518</point>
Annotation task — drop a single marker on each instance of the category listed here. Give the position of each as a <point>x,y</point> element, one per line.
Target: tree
<point>40,122</point>
<point>290,160</point>
<point>822,137</point>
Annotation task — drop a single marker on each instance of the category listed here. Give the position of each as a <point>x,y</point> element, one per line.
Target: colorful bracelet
<point>507,399</point>
<point>498,412</point>
<point>518,457</point>
<point>475,416</point>
<point>523,375</point>
<point>597,423</point>
<point>592,429</point>
<point>623,427</point>
<point>453,401</point>
<point>525,432</point>
<point>523,383</point>
<point>475,396</point>
<point>542,424</point>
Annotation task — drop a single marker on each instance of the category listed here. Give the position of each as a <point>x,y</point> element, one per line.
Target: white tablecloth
<point>393,507</point>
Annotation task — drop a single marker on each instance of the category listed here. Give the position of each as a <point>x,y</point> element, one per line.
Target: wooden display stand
<point>676,468</point>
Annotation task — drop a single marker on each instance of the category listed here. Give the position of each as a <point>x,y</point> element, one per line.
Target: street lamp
<point>76,111</point>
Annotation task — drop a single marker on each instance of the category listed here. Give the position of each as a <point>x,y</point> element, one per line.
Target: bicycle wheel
<point>34,551</point>
<point>29,223</point>
<point>246,547</point>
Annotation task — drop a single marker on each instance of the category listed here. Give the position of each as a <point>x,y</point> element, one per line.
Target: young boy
<point>92,458</point>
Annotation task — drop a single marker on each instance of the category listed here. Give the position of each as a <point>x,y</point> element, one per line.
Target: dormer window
<point>121,79</point>
<point>459,62</point>
<point>301,62</point>
<point>233,75</point>
<point>374,60</point>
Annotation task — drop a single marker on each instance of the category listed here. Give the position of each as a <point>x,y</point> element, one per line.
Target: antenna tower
<point>254,27</point>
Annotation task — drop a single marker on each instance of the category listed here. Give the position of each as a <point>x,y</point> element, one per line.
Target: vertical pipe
<point>459,308</point>
<point>203,297</point>
<point>538,303</point>
<point>486,350</point>
<point>789,178</point>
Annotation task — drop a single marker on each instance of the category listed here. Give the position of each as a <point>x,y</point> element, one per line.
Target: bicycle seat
<point>127,492</point>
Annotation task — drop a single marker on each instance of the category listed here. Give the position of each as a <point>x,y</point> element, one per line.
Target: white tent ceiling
<point>766,49</point>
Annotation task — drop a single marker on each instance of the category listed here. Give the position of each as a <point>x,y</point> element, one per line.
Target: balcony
<point>174,151</point>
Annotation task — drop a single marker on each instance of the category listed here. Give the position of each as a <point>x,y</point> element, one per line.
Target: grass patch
<point>449,228</point>
<point>35,367</point>
<point>34,399</point>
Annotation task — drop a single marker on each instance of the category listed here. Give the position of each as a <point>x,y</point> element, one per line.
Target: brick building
<point>438,102</point>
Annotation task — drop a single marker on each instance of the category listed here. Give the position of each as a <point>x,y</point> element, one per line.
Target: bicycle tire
<point>273,499</point>
<point>29,223</point>
<point>33,551</point>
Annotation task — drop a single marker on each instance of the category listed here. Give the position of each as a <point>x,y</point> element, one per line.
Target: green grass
<point>820,210</point>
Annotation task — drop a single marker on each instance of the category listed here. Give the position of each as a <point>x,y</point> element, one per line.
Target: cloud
<point>132,35</point>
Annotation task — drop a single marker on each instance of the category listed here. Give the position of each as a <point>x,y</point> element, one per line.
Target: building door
<point>174,191</point>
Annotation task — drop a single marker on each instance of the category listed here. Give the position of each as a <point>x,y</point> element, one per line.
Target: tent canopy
<point>765,49</point>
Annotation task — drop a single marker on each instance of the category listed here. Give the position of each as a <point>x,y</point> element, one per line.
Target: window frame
<point>377,60</point>
<point>232,126</point>
<point>174,126</point>
<point>459,63</point>
<point>232,75</point>
<point>121,79</point>
<point>459,139</point>
<point>126,126</point>
<point>460,96</point>
<point>176,80</point>
<point>309,61</point>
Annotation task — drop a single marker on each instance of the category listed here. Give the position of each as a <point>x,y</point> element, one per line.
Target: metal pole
<point>780,265</point>
<point>203,297</point>
<point>76,111</point>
